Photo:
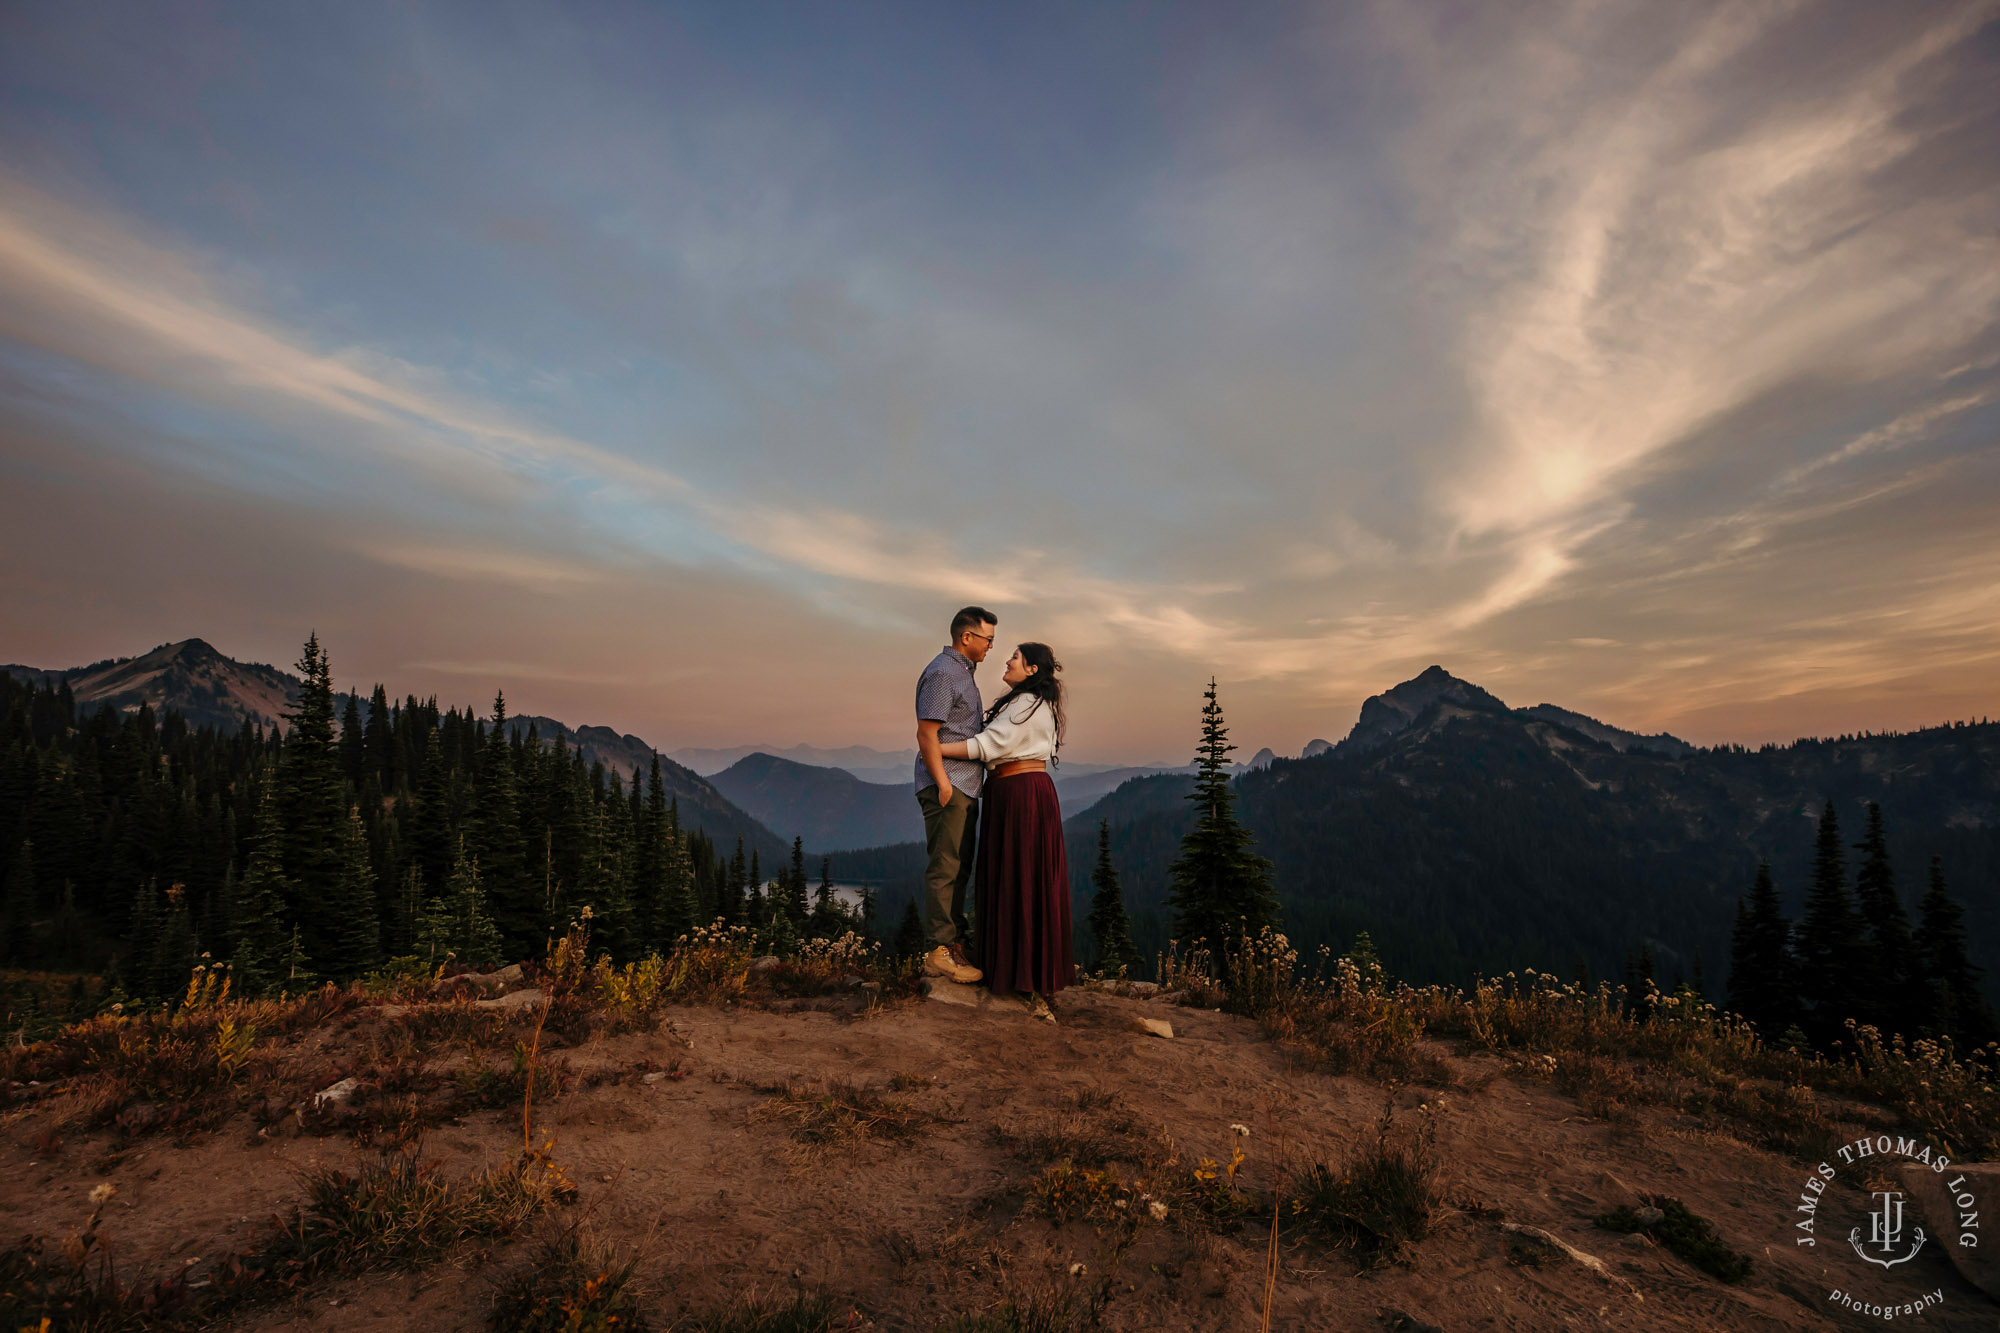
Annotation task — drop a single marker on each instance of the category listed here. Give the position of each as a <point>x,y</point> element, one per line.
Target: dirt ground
<point>723,1201</point>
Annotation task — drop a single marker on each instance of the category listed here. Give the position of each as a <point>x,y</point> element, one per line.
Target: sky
<point>682,368</point>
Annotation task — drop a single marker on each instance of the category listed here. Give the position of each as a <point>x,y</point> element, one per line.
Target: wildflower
<point>103,1194</point>
<point>1158,1210</point>
<point>1076,1270</point>
<point>1120,1203</point>
<point>1243,1130</point>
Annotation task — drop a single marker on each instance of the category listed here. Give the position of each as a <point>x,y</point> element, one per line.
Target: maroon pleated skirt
<point>1022,930</point>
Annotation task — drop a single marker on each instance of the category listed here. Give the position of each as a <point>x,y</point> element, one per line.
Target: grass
<point>1676,1050</point>
<point>569,1285</point>
<point>1380,1199</point>
<point>398,1214</point>
<point>835,1112</point>
<point>802,1312</point>
<point>1685,1234</point>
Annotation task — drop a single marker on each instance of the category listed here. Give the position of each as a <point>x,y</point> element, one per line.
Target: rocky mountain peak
<point>1391,712</point>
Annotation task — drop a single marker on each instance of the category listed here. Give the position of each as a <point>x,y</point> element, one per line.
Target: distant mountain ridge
<point>1467,836</point>
<point>209,688</point>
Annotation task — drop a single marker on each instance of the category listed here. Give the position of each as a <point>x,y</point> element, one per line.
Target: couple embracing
<point>983,783</point>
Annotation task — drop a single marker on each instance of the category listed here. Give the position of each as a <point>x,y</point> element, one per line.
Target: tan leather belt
<point>1013,766</point>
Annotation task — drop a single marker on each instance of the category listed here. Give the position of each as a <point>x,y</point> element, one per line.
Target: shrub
<point>569,1286</point>
<point>1681,1231</point>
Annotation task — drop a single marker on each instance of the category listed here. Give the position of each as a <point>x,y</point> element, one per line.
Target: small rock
<point>1649,1216</point>
<point>336,1094</point>
<point>849,982</point>
<point>764,964</point>
<point>520,999</point>
<point>653,1077</point>
<point>392,1012</point>
<point>871,989</point>
<point>951,992</point>
<point>1159,1027</point>
<point>1142,989</point>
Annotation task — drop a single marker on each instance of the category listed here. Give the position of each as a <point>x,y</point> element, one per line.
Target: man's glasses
<point>975,634</point>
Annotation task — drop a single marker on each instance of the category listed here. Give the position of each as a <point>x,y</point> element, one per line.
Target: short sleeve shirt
<point>947,694</point>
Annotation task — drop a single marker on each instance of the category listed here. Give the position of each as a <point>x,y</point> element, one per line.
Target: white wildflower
<point>1158,1210</point>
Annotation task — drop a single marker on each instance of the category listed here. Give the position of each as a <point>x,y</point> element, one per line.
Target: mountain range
<point>1466,836</point>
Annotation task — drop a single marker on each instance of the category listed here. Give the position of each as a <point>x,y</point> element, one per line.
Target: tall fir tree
<point>18,906</point>
<point>829,916</point>
<point>1955,1007</point>
<point>1763,974</point>
<point>1110,927</point>
<point>910,940</point>
<point>649,875</point>
<point>1830,942</point>
<point>496,843</point>
<point>353,743</point>
<point>355,944</point>
<point>312,807</point>
<point>1220,887</point>
<point>1891,994</point>
<point>460,924</point>
<point>378,741</point>
<point>793,900</point>
<point>257,938</point>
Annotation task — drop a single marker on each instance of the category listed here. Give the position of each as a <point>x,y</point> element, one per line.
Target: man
<point>949,709</point>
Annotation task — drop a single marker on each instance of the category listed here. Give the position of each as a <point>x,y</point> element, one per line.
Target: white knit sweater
<point>1025,729</point>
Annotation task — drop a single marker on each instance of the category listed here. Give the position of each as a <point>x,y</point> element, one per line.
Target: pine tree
<point>792,898</point>
<point>1956,1008</point>
<point>829,916</point>
<point>1110,928</point>
<point>1221,888</point>
<point>353,742</point>
<point>378,741</point>
<point>1763,974</point>
<point>910,937</point>
<point>141,937</point>
<point>1641,982</point>
<point>175,951</point>
<point>460,923</point>
<point>17,907</point>
<point>496,842</point>
<point>257,939</point>
<point>1888,987</point>
<point>679,914</point>
<point>729,903</point>
<point>1830,946</point>
<point>312,807</point>
<point>356,942</point>
<point>649,875</point>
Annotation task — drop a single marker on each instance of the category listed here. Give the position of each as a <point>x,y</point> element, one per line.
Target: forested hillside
<point>142,842</point>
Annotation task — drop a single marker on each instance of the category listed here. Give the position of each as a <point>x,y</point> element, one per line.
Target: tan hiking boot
<point>945,962</point>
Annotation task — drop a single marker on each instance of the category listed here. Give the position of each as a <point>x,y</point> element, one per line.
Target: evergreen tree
<point>432,836</point>
<point>729,904</point>
<point>1830,943</point>
<point>460,923</point>
<point>355,944</point>
<point>1763,974</point>
<point>141,939</point>
<point>792,899</point>
<point>378,741</point>
<point>679,913</point>
<point>1889,991</point>
<point>910,938</point>
<point>17,907</point>
<point>1110,928</point>
<point>496,842</point>
<point>649,876</point>
<point>1956,1008</point>
<point>353,742</point>
<point>256,939</point>
<point>1641,982</point>
<point>313,810</point>
<point>871,916</point>
<point>829,916</point>
<point>175,951</point>
<point>1221,888</point>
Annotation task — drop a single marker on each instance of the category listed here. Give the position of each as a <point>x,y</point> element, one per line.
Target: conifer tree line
<point>321,850</point>
<point>1853,954</point>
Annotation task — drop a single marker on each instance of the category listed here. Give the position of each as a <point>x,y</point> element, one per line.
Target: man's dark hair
<point>971,617</point>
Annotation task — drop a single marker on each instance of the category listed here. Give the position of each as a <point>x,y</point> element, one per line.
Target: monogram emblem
<point>1885,1232</point>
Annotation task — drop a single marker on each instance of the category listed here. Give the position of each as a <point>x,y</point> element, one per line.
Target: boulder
<point>1929,1192</point>
<point>1158,1027</point>
<point>513,1001</point>
<point>767,963</point>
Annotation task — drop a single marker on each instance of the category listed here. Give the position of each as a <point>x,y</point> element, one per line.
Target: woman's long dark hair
<point>1041,684</point>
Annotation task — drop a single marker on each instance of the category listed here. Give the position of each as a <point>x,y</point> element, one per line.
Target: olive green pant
<point>950,832</point>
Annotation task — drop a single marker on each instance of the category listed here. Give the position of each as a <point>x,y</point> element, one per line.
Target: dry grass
<point>570,1285</point>
<point>832,1112</point>
<point>1383,1197</point>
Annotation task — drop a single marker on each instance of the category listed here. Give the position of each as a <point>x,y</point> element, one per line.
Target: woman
<point>1022,927</point>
